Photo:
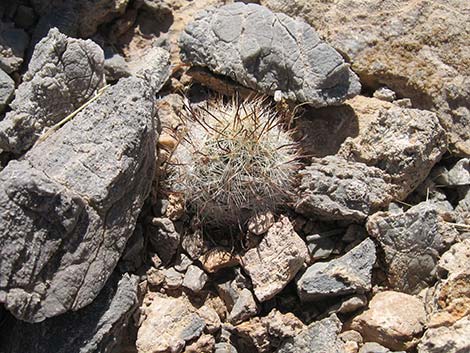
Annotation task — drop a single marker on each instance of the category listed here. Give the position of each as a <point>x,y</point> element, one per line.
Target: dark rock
<point>68,207</point>
<point>13,43</point>
<point>25,16</point>
<point>268,52</point>
<point>164,238</point>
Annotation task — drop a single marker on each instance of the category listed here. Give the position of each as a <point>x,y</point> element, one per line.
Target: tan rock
<point>276,260</point>
<point>259,224</point>
<point>204,344</point>
<point>218,258</point>
<point>453,339</point>
<point>175,209</point>
<point>393,319</point>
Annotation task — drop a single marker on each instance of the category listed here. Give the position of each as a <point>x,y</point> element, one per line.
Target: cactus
<point>234,160</point>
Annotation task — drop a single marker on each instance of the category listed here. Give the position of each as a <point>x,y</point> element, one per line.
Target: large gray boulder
<point>268,52</point>
<point>70,204</point>
<point>62,75</point>
<point>94,329</point>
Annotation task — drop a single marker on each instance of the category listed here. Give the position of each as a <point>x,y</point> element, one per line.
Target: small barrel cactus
<point>234,160</point>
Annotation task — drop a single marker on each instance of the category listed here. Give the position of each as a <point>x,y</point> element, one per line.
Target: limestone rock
<point>13,43</point>
<point>393,319</point>
<point>412,242</point>
<point>350,273</point>
<point>169,324</point>
<point>276,260</point>
<point>7,87</point>
<point>95,328</point>
<point>453,339</point>
<point>334,188</point>
<point>195,279</point>
<point>62,75</point>
<point>68,207</point>
<point>268,52</point>
<point>418,49</point>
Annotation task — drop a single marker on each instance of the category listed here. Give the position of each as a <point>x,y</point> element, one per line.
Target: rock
<point>268,52</point>
<point>210,317</point>
<point>164,238</point>
<point>276,260</point>
<point>244,308</point>
<point>259,224</point>
<point>224,347</point>
<point>204,344</point>
<point>393,319</point>
<point>319,337</point>
<point>404,143</point>
<point>62,75</point>
<point>218,258</point>
<point>229,289</point>
<point>173,279</point>
<point>13,43</point>
<point>155,277</point>
<point>455,260</point>
<point>25,16</point>
<point>182,262</point>
<point>68,207</point>
<point>352,304</point>
<point>373,347</point>
<point>7,87</point>
<point>385,94</point>
<point>320,247</point>
<point>413,48</point>
<point>195,279</point>
<point>350,273</point>
<point>458,175</point>
<point>133,255</point>
<point>115,66</point>
<point>169,324</point>
<point>412,242</point>
<point>334,188</point>
<point>453,339</point>
<point>194,245</point>
<point>351,336</point>
<point>96,328</point>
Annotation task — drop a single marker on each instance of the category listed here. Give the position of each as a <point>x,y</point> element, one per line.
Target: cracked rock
<point>350,273</point>
<point>68,207</point>
<point>62,75</point>
<point>334,188</point>
<point>276,260</point>
<point>268,52</point>
<point>453,339</point>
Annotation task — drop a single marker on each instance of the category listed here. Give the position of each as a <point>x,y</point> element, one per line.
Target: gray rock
<point>458,175</point>
<point>268,52</point>
<point>173,279</point>
<point>182,262</point>
<point>62,75</point>
<point>350,273</point>
<point>95,328</point>
<point>412,242</point>
<point>195,279</point>
<point>320,248</point>
<point>224,347</point>
<point>373,347</point>
<point>115,66</point>
<point>7,87</point>
<point>158,72</point>
<point>164,238</point>
<point>385,94</point>
<point>453,339</point>
<point>68,207</point>
<point>133,255</point>
<point>229,289</point>
<point>244,308</point>
<point>319,337</point>
<point>13,43</point>
<point>334,188</point>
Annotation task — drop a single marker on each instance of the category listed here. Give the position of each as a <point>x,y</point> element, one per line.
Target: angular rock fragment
<point>204,344</point>
<point>268,52</point>
<point>393,319</point>
<point>229,289</point>
<point>62,75</point>
<point>164,238</point>
<point>276,260</point>
<point>68,207</point>
<point>350,273</point>
<point>95,328</point>
<point>7,87</point>
<point>169,324</point>
<point>458,175</point>
<point>334,188</point>
<point>218,258</point>
<point>13,43</point>
<point>452,339</point>
<point>319,337</point>
<point>195,279</point>
<point>245,307</point>
<point>412,242</point>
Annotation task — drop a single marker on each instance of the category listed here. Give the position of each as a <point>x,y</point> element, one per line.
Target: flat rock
<point>268,52</point>
<point>7,87</point>
<point>13,43</point>
<point>168,325</point>
<point>412,242</point>
<point>394,319</point>
<point>350,273</point>
<point>391,46</point>
<point>62,75</point>
<point>319,337</point>
<point>95,328</point>
<point>276,260</point>
<point>453,339</point>
<point>336,189</point>
<point>68,207</point>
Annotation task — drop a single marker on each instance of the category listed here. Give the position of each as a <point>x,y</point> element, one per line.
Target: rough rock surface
<point>245,307</point>
<point>319,337</point>
<point>453,339</point>
<point>404,143</point>
<point>7,87</point>
<point>13,43</point>
<point>350,273</point>
<point>334,188</point>
<point>164,238</point>
<point>393,319</point>
<point>95,328</point>
<point>276,260</point>
<point>268,52</point>
<point>62,75</point>
<point>169,324</point>
<point>418,49</point>
<point>194,279</point>
<point>412,242</point>
<point>69,205</point>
